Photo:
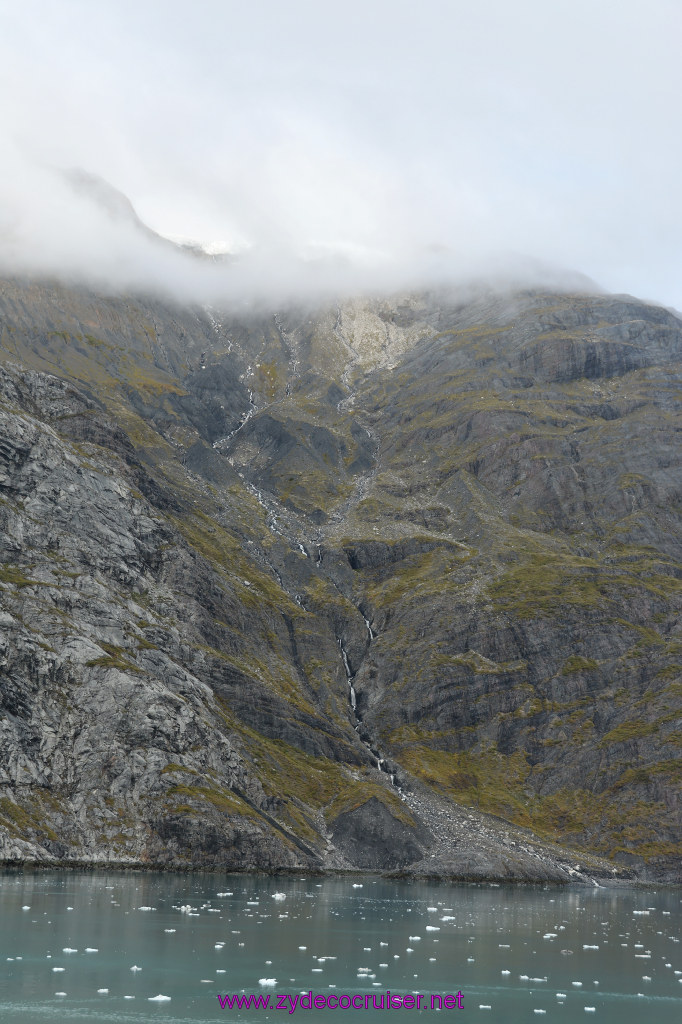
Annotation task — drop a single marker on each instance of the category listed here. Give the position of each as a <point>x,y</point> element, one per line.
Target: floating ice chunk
<point>590,947</point>
<point>302,947</point>
<point>102,991</point>
<point>159,999</point>
<point>224,894</point>
<point>590,1009</point>
<point>267,981</point>
<point>146,908</point>
<point>169,930</point>
<point>58,970</point>
<point>60,993</point>
<point>432,928</point>
<point>505,972</point>
<point>68,949</point>
<point>413,938</point>
<point>551,935</point>
<point>357,885</point>
<point>91,949</point>
<point>135,968</point>
<point>561,995</point>
<point>484,1006</point>
<point>409,950</point>
<point>25,908</point>
<point>279,895</point>
<point>433,910</point>
<point>129,997</point>
<point>577,984</point>
<point>539,1011</point>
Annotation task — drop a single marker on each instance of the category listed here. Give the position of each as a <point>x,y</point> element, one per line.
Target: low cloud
<point>376,147</point>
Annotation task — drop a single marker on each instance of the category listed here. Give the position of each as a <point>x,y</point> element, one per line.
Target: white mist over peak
<point>303,147</point>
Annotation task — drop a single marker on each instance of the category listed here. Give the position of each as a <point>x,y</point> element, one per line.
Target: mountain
<point>390,584</point>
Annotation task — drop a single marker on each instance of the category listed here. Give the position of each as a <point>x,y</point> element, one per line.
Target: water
<point>516,951</point>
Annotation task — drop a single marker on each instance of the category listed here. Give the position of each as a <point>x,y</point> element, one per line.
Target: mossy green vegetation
<point>173,767</point>
<point>13,575</point>
<point>307,786</point>
<point>502,785</point>
<point>576,663</point>
<point>22,822</point>
<point>115,657</point>
<point>629,731</point>
<point>182,798</point>
<point>252,586</point>
<point>482,778</point>
<point>544,582</point>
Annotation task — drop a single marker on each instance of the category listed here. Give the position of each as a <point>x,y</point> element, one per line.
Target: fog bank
<point>361,148</point>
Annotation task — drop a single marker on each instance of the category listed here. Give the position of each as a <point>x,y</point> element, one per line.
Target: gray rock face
<point>396,586</point>
<point>371,837</point>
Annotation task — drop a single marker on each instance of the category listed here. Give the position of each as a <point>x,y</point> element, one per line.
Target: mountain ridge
<point>252,555</point>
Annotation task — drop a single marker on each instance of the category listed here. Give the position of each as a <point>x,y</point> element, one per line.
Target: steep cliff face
<point>392,584</point>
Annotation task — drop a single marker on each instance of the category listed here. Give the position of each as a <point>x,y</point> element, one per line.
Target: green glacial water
<point>69,943</point>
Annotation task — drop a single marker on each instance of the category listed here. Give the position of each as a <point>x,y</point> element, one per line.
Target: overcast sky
<point>386,137</point>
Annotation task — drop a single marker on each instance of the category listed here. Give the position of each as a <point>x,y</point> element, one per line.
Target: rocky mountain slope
<point>390,584</point>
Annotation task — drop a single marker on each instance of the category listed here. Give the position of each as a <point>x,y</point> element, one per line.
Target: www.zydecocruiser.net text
<point>345,1001</point>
